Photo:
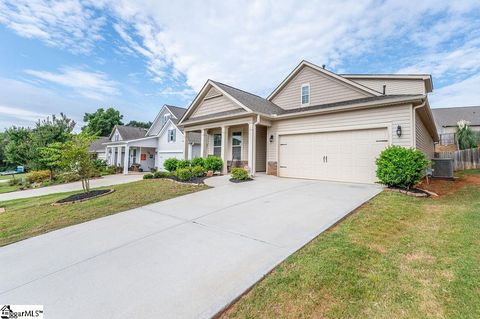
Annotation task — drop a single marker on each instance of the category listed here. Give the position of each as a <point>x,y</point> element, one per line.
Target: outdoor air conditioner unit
<point>442,167</point>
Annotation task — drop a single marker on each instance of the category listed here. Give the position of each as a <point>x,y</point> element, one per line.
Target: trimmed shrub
<point>170,164</point>
<point>183,164</point>
<point>198,171</point>
<point>213,163</point>
<point>68,177</point>
<point>240,174</point>
<point>38,176</point>
<point>99,164</point>
<point>148,176</point>
<point>198,161</point>
<point>184,174</point>
<point>160,174</point>
<point>401,167</point>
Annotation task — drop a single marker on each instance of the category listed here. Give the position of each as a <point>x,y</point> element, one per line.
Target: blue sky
<point>77,55</point>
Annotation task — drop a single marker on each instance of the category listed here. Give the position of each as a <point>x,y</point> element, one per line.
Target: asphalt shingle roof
<point>97,145</point>
<point>176,110</point>
<point>130,132</point>
<point>252,101</point>
<point>449,116</point>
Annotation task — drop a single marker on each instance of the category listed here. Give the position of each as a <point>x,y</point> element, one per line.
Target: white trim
<point>204,89</point>
<point>301,94</point>
<point>326,72</point>
<point>169,151</point>
<point>242,135</point>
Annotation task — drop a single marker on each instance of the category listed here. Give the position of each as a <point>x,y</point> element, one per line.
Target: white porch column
<point>203,140</point>
<point>119,156</point>
<point>223,152</point>
<point>126,160</point>
<point>185,145</point>
<point>251,147</point>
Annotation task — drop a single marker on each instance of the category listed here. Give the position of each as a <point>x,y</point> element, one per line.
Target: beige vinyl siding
<point>240,128</point>
<point>394,86</point>
<point>261,152</point>
<point>323,89</point>
<point>214,105</point>
<point>392,115</point>
<point>424,141</point>
<point>212,92</point>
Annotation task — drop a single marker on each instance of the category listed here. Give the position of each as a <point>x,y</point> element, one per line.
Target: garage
<point>347,156</point>
<point>162,156</point>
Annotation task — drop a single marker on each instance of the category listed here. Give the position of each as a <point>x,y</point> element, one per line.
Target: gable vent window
<point>305,94</point>
<point>171,136</point>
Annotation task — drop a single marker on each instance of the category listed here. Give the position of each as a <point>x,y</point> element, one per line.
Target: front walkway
<point>187,257</point>
<point>69,187</point>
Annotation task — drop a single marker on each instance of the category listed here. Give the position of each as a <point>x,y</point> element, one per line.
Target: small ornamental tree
<point>465,136</point>
<point>401,167</point>
<point>76,158</point>
<point>51,157</point>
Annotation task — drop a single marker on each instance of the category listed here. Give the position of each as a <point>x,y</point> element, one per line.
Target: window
<point>217,145</point>
<point>116,137</point>
<point>171,136</point>
<point>236,145</point>
<point>305,94</point>
<point>134,156</point>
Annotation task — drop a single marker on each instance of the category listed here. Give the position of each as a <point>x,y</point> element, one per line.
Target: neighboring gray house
<point>97,148</point>
<point>316,124</point>
<point>447,118</point>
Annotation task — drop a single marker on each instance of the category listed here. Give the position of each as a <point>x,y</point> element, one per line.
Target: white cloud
<point>22,114</point>
<point>463,93</point>
<point>68,24</point>
<point>94,85</point>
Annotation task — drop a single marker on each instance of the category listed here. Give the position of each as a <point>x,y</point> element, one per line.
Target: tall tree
<point>140,124</point>
<point>3,143</point>
<point>18,148</point>
<point>101,122</point>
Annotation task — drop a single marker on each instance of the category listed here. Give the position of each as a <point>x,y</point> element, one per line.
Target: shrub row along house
<point>316,124</point>
<point>136,148</point>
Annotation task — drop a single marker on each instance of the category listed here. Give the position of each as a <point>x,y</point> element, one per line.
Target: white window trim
<point>213,142</point>
<point>174,136</point>
<point>309,94</point>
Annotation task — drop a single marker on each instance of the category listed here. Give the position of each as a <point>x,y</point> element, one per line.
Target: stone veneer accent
<point>272,168</point>
<point>236,163</point>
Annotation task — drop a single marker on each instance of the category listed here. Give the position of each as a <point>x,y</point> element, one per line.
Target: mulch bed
<point>415,192</point>
<point>240,180</point>
<point>80,197</point>
<point>445,187</point>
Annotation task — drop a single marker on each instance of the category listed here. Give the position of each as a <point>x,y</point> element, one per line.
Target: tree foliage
<point>101,122</point>
<point>76,158</point>
<point>18,148</point>
<point>140,124</point>
<point>465,136</point>
<point>51,157</point>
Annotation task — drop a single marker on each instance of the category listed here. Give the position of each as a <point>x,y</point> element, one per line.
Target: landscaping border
<point>83,200</point>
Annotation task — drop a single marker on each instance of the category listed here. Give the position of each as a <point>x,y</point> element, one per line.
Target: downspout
<point>414,124</point>
<point>254,146</point>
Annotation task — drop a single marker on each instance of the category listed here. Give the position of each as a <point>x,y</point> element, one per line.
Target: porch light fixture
<point>399,131</point>
<point>271,138</point>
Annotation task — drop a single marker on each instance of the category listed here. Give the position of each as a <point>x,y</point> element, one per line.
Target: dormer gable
<point>115,136</point>
<point>163,116</point>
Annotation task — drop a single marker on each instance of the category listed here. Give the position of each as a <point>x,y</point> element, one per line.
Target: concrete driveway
<point>69,187</point>
<point>183,258</point>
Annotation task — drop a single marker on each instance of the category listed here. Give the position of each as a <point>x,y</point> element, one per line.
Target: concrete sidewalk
<point>62,188</point>
<point>187,257</point>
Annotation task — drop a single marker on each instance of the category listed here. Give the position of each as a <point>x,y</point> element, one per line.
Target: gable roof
<point>449,116</point>
<point>97,145</point>
<point>325,72</point>
<point>129,132</point>
<point>176,111</point>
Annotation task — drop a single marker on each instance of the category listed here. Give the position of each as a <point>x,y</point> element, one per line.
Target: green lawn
<point>10,176</point>
<point>395,257</point>
<point>29,217</point>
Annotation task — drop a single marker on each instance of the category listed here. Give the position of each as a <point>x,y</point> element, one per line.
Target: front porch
<point>239,143</point>
<point>141,155</point>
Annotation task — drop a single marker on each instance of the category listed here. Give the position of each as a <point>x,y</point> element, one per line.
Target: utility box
<point>442,167</point>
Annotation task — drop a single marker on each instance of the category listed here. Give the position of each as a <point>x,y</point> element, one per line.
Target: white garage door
<point>163,156</point>
<point>347,156</point>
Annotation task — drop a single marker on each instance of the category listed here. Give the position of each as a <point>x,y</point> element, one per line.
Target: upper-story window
<point>305,94</point>
<point>116,137</point>
<point>171,135</point>
<point>165,118</point>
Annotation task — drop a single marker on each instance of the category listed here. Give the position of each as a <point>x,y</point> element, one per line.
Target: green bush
<point>68,177</point>
<point>184,174</point>
<point>213,163</point>
<point>198,161</point>
<point>183,164</point>
<point>148,176</point>
<point>240,174</point>
<point>170,164</point>
<point>99,164</point>
<point>466,137</point>
<point>401,167</point>
<point>160,174</point>
<point>38,176</point>
<point>198,171</point>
